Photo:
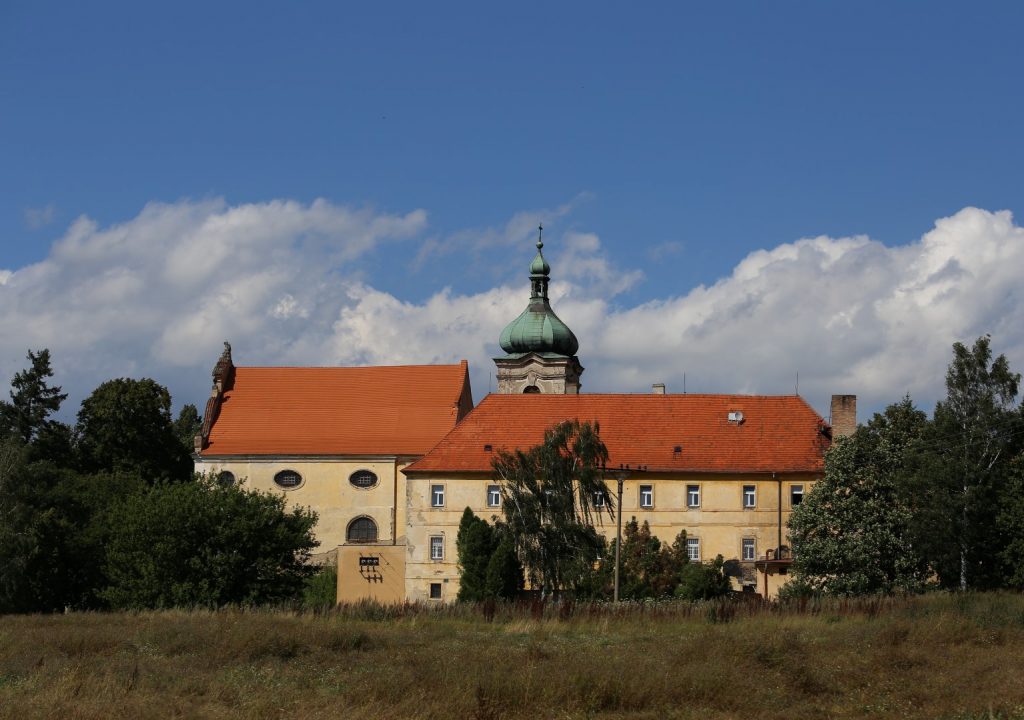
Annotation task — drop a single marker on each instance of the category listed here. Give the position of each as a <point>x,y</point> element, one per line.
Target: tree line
<point>910,502</point>
<point>107,513</point>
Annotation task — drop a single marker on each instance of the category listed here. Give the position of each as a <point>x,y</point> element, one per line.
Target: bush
<point>321,590</point>
<point>202,544</point>
<point>703,581</point>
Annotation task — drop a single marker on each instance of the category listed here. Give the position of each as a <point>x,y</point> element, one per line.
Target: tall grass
<point>934,656</point>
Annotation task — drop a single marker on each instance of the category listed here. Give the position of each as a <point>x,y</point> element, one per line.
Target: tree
<point>703,581</point>
<point>974,433</point>
<point>1010,523</point>
<point>852,534</point>
<point>475,544</point>
<point>204,544</point>
<point>32,399</point>
<point>504,576</point>
<point>550,503</point>
<point>125,425</point>
<point>187,426</point>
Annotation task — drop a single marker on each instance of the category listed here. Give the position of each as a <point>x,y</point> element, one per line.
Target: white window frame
<point>437,548</point>
<point>691,491</point>
<point>494,496</point>
<point>600,498</point>
<point>795,491</point>
<point>437,496</point>
<point>749,497</point>
<point>647,502</point>
<point>693,549</point>
<point>749,544</point>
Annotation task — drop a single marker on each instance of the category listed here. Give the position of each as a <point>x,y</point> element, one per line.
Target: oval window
<point>363,479</point>
<point>226,478</point>
<point>362,530</point>
<point>288,479</point>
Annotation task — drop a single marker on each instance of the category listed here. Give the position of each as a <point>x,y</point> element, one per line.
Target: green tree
<point>203,544</point>
<point>550,504</point>
<point>974,434</point>
<point>504,575</point>
<point>703,581</point>
<point>32,399</point>
<point>125,425</point>
<point>187,426</point>
<point>853,532</point>
<point>475,544</point>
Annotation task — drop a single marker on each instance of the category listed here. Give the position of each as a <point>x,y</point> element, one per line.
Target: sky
<point>756,197</point>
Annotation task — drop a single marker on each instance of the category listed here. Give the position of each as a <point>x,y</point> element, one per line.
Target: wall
<point>720,523</point>
<point>383,582</point>
<point>326,489</point>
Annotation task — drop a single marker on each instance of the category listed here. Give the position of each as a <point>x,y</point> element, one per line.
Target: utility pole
<point>620,476</point>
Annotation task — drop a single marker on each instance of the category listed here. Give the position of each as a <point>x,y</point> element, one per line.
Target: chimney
<point>844,415</point>
<point>658,388</point>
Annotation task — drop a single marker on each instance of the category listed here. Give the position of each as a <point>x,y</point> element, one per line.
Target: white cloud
<point>36,218</point>
<point>157,294</point>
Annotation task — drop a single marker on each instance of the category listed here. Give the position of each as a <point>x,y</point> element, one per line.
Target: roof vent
<point>677,449</point>
<point>735,416</point>
<point>487,447</point>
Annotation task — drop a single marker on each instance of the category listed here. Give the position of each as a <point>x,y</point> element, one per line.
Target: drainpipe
<point>778,549</point>
<point>394,507</point>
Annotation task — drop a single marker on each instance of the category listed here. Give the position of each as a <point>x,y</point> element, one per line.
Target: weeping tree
<point>553,494</point>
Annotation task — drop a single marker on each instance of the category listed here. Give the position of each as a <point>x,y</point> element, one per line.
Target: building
<point>391,456</point>
<point>336,440</point>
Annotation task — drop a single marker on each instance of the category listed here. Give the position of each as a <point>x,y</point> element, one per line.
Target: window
<point>749,496</point>
<point>693,496</point>
<point>435,591</point>
<point>749,550</point>
<point>600,499</point>
<point>288,479</point>
<point>796,495</point>
<point>362,530</point>
<point>693,549</point>
<point>363,479</point>
<point>493,496</point>
<point>226,479</point>
<point>437,495</point>
<point>646,496</point>
<point>436,547</point>
<point>531,390</point>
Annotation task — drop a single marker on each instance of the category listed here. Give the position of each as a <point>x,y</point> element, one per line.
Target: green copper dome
<point>538,329</point>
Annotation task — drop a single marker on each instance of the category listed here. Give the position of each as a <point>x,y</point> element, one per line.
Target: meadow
<point>935,656</point>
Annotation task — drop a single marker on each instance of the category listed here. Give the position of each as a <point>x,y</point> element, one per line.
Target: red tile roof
<point>777,434</point>
<point>400,410</point>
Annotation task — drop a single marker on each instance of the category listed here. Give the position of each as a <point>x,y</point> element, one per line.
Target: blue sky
<point>675,139</point>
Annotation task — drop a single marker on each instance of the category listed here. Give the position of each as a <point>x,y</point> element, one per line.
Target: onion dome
<point>538,329</point>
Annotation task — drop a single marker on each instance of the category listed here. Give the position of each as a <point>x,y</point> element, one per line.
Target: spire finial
<point>540,236</point>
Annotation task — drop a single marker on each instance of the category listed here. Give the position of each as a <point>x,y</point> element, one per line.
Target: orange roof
<point>400,410</point>
<point>777,434</point>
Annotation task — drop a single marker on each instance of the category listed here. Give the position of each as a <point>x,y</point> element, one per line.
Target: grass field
<point>935,656</point>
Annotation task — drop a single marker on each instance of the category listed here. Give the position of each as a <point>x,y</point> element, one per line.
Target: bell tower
<point>541,349</point>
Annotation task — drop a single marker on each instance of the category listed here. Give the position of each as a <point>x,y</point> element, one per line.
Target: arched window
<point>288,479</point>
<point>530,389</point>
<point>226,478</point>
<point>362,530</point>
<point>363,479</point>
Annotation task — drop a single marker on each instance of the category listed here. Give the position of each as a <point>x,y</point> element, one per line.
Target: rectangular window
<point>436,547</point>
<point>693,496</point>
<point>693,549</point>
<point>749,550</point>
<point>493,496</point>
<point>646,496</point>
<point>796,495</point>
<point>749,496</point>
<point>435,591</point>
<point>437,495</point>
<point>599,499</point>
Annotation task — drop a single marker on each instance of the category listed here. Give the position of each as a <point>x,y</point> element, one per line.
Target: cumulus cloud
<point>284,282</point>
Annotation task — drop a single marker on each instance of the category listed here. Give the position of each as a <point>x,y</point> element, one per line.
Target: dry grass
<point>936,656</point>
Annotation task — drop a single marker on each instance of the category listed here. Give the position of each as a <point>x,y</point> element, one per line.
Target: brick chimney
<point>844,415</point>
<point>658,388</point>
